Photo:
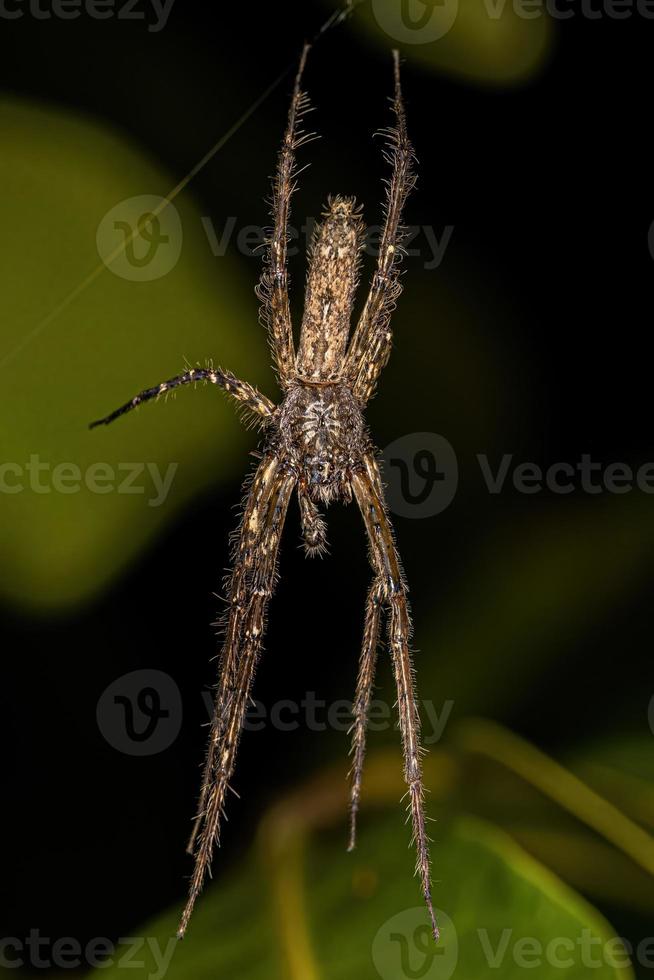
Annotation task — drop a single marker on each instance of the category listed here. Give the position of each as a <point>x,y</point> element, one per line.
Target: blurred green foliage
<point>528,594</point>
<point>487,41</point>
<point>60,175</point>
<point>101,338</point>
<point>302,908</point>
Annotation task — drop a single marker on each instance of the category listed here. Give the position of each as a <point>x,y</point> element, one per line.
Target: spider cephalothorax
<point>315,443</point>
<point>321,431</point>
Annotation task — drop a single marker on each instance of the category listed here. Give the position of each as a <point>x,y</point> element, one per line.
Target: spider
<point>315,443</point>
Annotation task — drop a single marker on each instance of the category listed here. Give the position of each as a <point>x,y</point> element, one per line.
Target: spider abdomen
<point>331,286</point>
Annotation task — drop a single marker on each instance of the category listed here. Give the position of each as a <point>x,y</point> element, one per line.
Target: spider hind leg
<point>365,684</point>
<point>386,563</point>
<point>252,583</point>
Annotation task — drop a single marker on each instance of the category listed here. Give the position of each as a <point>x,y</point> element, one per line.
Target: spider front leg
<point>251,586</point>
<point>385,561</point>
<point>273,286</point>
<point>254,403</point>
<point>372,340</point>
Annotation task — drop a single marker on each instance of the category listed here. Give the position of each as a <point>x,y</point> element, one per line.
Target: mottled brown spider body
<point>322,434</point>
<point>333,277</point>
<point>315,443</point>
<point>320,424</point>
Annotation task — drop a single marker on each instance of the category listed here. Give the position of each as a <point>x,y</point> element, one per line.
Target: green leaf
<point>78,339</point>
<point>623,759</point>
<point>588,823</point>
<point>360,915</point>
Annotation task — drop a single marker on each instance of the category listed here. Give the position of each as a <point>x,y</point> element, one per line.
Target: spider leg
<point>365,682</point>
<point>252,583</point>
<point>251,400</point>
<point>273,286</point>
<point>386,563</point>
<point>371,342</point>
<point>258,491</point>
<point>313,527</point>
<point>367,667</point>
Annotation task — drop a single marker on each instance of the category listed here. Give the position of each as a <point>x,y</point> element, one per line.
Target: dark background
<point>548,186</point>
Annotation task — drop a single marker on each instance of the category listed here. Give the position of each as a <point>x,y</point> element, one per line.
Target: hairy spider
<point>317,443</point>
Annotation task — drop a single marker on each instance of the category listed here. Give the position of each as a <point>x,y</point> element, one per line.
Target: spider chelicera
<point>317,444</point>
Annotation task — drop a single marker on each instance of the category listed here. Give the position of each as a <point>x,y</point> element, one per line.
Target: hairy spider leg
<point>253,579</point>
<point>361,709</point>
<point>372,340</point>
<point>386,565</point>
<point>272,290</point>
<point>257,488</point>
<point>250,399</point>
